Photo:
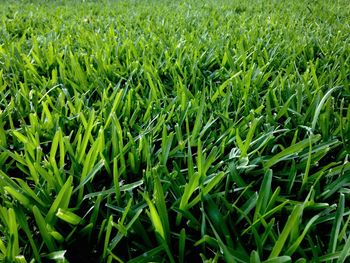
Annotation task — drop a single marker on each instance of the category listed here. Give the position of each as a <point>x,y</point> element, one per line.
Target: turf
<point>174,131</point>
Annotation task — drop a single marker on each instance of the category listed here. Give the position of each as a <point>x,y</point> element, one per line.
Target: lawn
<point>174,131</point>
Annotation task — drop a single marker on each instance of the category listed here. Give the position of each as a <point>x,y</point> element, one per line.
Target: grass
<point>174,131</point>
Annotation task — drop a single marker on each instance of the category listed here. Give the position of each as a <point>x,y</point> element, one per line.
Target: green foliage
<point>171,131</point>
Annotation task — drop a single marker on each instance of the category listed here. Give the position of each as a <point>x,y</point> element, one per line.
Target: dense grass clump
<point>174,131</point>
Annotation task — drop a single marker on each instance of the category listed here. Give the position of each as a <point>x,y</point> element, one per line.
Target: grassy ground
<point>174,131</point>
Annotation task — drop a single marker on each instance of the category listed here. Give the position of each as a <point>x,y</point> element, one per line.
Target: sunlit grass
<point>174,131</point>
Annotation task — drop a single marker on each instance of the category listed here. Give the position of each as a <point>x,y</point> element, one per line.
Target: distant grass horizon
<point>174,131</point>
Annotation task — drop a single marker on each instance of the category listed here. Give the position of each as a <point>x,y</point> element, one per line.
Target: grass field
<point>175,131</point>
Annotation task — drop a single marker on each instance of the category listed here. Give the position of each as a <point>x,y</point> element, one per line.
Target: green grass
<point>174,131</point>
